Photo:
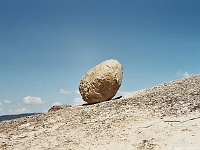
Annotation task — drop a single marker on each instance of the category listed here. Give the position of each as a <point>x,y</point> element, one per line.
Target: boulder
<point>102,82</point>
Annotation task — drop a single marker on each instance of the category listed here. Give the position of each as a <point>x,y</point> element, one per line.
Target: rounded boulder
<point>102,82</point>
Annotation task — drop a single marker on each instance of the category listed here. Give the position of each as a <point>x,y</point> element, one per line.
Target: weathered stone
<point>102,82</point>
<point>58,107</point>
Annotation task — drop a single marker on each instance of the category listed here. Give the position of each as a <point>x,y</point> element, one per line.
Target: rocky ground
<point>162,117</point>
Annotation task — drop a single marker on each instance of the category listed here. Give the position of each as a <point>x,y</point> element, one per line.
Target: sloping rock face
<point>102,82</point>
<point>171,98</point>
<point>164,117</point>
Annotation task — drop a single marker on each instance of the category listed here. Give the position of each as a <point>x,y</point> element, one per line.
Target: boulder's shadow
<point>86,104</point>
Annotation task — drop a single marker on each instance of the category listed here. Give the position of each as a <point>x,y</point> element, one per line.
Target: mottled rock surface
<point>164,117</point>
<point>57,107</point>
<point>102,82</point>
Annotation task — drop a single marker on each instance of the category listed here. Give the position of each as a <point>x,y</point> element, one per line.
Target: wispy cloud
<point>63,91</point>
<point>186,74</point>
<point>182,74</point>
<point>6,101</point>
<point>56,103</point>
<point>77,92</point>
<point>20,111</point>
<point>1,103</point>
<point>78,101</point>
<point>122,93</point>
<point>33,100</point>
<point>2,112</point>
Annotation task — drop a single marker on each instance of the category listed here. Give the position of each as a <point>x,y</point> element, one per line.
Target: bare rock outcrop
<point>57,107</point>
<point>102,82</point>
<point>165,116</point>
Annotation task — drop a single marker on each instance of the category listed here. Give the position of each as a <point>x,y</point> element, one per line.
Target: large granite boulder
<point>102,82</point>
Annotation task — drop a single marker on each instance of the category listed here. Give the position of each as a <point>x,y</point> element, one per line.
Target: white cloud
<point>7,101</point>
<point>63,91</point>
<point>2,112</point>
<point>122,93</point>
<point>77,92</point>
<point>56,103</point>
<point>33,100</point>
<point>21,111</point>
<point>186,74</point>
<point>1,103</point>
<point>15,111</point>
<point>183,74</point>
<point>78,101</point>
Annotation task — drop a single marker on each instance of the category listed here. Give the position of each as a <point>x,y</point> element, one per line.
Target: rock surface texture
<point>102,82</point>
<point>164,117</point>
<point>58,107</point>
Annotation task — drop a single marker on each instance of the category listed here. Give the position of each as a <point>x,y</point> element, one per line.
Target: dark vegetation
<point>10,117</point>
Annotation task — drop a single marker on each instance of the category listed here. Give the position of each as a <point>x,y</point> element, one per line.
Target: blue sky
<point>46,46</point>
